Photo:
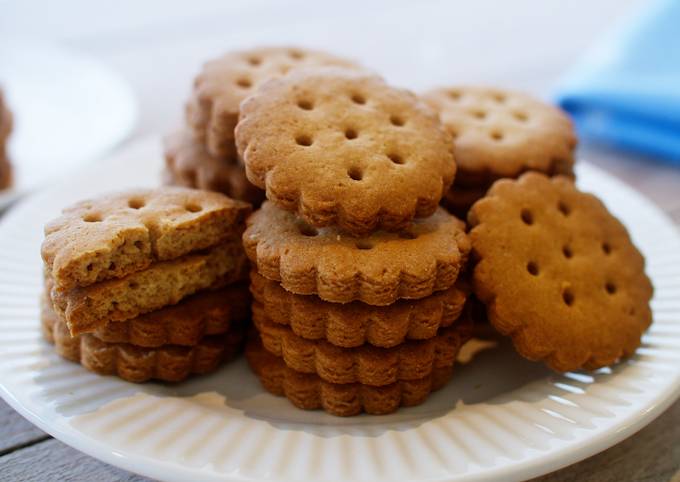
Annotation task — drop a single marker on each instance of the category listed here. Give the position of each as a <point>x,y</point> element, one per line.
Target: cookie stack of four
<point>358,302</point>
<point>144,284</point>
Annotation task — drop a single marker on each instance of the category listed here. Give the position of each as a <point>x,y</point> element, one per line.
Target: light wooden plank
<point>52,460</point>
<point>15,430</point>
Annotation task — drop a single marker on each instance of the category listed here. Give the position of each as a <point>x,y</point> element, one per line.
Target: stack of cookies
<point>5,130</point>
<point>145,283</point>
<point>356,269</point>
<point>500,134</point>
<point>203,154</point>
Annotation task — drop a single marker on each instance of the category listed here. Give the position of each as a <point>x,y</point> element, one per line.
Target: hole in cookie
<point>305,105</point>
<point>244,83</point>
<point>139,245</point>
<point>610,287</point>
<point>606,248</point>
<point>92,218</point>
<point>364,244</point>
<point>358,99</point>
<point>355,173</point>
<point>112,266</point>
<point>532,268</point>
<point>193,207</point>
<point>303,140</point>
<point>90,267</point>
<point>454,94</point>
<point>136,203</point>
<point>408,235</point>
<point>479,114</point>
<point>568,297</point>
<point>564,209</point>
<point>497,135</point>
<point>527,217</point>
<point>567,252</point>
<point>396,158</point>
<point>254,61</point>
<point>396,120</point>
<point>296,54</point>
<point>307,230</point>
<point>133,285</point>
<point>351,134</point>
<point>520,116</point>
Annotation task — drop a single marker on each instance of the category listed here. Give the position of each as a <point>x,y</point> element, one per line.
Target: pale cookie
<point>341,147</point>
<point>378,269</point>
<point>162,284</point>
<point>189,164</point>
<point>366,364</point>
<point>169,363</point>
<point>118,234</point>
<point>558,273</point>
<point>213,109</point>
<point>499,133</point>
<point>309,392</point>
<point>356,323</point>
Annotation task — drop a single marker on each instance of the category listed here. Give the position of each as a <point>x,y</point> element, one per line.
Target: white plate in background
<point>500,418</point>
<point>68,108</point>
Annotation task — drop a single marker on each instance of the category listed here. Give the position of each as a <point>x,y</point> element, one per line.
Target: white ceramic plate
<point>68,108</point>
<point>501,418</point>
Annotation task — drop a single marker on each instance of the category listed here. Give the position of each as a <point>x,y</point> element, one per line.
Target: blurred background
<point>154,49</point>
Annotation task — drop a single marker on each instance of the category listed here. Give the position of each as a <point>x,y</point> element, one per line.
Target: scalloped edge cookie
<point>356,323</point>
<point>309,392</point>
<point>501,133</point>
<point>377,270</point>
<point>343,148</point>
<point>170,363</point>
<point>366,364</point>
<point>558,273</point>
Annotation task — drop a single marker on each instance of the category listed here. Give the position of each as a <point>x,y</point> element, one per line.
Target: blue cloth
<point>626,92</point>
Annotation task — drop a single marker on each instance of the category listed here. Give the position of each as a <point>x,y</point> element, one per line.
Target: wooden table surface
<point>178,36</point>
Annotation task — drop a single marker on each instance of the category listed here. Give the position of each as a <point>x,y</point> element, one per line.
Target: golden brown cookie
<point>213,109</point>
<point>341,147</point>
<point>162,284</point>
<point>118,234</point>
<point>501,133</point>
<point>309,392</point>
<point>205,313</point>
<point>170,363</point>
<point>189,164</point>
<point>356,323</point>
<point>558,273</point>
<point>378,269</point>
<point>366,364</point>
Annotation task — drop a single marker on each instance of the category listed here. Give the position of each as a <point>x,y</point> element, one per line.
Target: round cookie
<point>341,147</point>
<point>354,324</point>
<point>365,364</point>
<point>501,133</point>
<point>377,269</point>
<point>558,273</point>
<point>309,392</point>
<point>212,111</point>
<point>189,164</point>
